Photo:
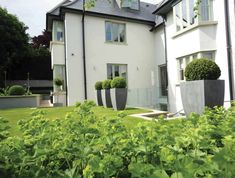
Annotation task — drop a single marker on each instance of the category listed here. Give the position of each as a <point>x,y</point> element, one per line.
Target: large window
<point>116,70</point>
<point>58,31</point>
<point>187,13</point>
<point>115,32</point>
<point>184,61</point>
<point>163,80</point>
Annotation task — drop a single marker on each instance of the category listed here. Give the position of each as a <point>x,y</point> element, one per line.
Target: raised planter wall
<point>31,101</point>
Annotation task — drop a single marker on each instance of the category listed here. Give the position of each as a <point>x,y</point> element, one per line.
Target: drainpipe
<point>84,50</point>
<point>166,57</point>
<point>229,47</point>
<point>65,62</point>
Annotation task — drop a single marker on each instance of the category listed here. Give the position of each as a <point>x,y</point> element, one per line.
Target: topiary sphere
<point>58,81</point>
<point>118,82</point>
<point>16,90</point>
<point>106,84</point>
<point>202,69</point>
<point>98,85</point>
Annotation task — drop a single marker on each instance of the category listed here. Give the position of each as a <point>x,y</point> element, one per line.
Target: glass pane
<point>191,12</point>
<point>135,4</point>
<point>126,3</point>
<point>208,55</point>
<point>108,31</point>
<point>116,71</point>
<point>59,72</point>
<point>109,71</point>
<point>163,79</point>
<point>184,14</point>
<point>58,31</point>
<point>123,71</point>
<point>115,32</point>
<point>178,17</point>
<point>122,32</point>
<point>205,10</point>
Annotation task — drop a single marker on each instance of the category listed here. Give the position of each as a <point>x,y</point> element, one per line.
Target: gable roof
<point>106,9</point>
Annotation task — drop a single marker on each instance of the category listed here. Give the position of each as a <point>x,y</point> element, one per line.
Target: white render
<point>99,53</point>
<point>143,52</point>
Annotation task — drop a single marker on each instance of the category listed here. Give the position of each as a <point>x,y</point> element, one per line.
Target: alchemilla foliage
<point>81,145</point>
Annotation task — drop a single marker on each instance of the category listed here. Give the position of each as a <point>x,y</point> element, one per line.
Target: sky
<point>33,12</point>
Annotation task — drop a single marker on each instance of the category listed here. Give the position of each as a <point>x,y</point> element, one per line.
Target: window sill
<point>194,26</point>
<point>116,43</point>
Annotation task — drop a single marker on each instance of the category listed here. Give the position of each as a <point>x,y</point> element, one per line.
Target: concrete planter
<point>119,98</point>
<point>106,98</point>
<point>197,94</point>
<point>30,101</point>
<point>98,98</point>
<point>59,99</point>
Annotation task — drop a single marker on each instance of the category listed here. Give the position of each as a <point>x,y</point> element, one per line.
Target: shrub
<point>58,81</point>
<point>106,84</point>
<point>202,69</point>
<point>98,85</point>
<point>118,82</point>
<point>16,90</point>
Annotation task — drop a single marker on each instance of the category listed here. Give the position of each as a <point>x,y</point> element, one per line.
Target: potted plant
<point>118,93</point>
<point>58,83</point>
<point>98,88</point>
<point>202,87</point>
<point>106,98</point>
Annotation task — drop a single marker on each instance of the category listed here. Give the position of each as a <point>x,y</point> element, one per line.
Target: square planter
<point>196,95</point>
<point>119,98</point>
<point>98,98</point>
<point>106,98</point>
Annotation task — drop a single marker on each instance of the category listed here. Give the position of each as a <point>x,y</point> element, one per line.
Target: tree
<point>14,39</point>
<point>42,40</point>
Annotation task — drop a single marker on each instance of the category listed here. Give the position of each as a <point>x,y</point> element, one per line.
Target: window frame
<point>58,24</point>
<point>179,26</point>
<point>113,65</point>
<point>112,40</point>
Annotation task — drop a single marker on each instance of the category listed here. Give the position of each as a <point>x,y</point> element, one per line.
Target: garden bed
<point>7,102</point>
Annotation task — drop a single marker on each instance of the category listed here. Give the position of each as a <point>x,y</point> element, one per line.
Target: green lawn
<point>14,115</point>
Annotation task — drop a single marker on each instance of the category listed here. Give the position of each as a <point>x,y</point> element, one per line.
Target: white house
<point>149,45</point>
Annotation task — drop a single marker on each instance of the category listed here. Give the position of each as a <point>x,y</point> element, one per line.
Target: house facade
<point>149,45</point>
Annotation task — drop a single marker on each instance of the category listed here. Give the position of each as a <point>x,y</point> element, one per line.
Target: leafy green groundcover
<point>82,145</point>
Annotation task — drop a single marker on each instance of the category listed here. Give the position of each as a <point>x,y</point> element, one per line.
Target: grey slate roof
<point>107,8</point>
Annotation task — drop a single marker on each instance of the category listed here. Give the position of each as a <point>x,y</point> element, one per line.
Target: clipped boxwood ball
<point>202,69</point>
<point>118,82</point>
<point>106,84</point>
<point>58,81</point>
<point>16,90</point>
<point>98,85</point>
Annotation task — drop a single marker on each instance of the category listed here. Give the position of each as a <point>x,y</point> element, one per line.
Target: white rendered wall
<point>137,53</point>
<point>74,64</point>
<point>201,38</point>
<point>57,53</point>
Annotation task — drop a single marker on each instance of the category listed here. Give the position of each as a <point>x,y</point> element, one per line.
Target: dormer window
<point>132,4</point>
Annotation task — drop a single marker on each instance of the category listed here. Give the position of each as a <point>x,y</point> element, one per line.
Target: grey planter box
<point>197,94</point>
<point>98,95</point>
<point>30,101</point>
<point>106,98</point>
<point>119,98</point>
